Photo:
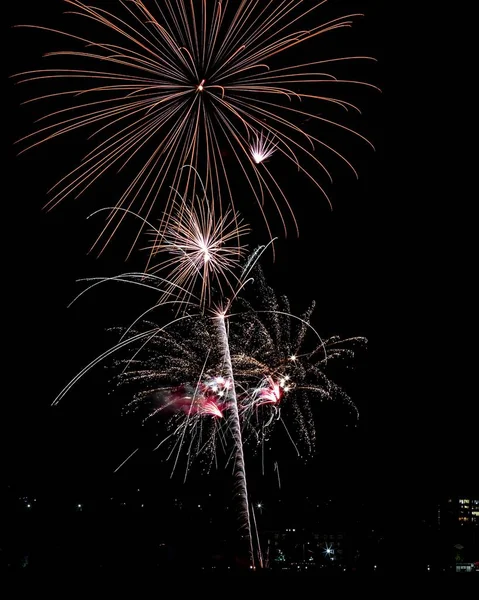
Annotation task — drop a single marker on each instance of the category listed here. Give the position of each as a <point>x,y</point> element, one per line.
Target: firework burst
<point>276,366</point>
<point>175,83</point>
<point>262,148</point>
<point>179,377</point>
<point>199,246</point>
<point>283,366</point>
<point>270,364</point>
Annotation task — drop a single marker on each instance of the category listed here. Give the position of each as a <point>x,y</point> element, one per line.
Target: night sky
<point>356,261</point>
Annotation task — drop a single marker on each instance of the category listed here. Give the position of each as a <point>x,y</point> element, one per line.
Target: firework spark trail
<point>180,84</point>
<point>260,554</point>
<point>276,468</point>
<point>126,460</point>
<point>235,426</point>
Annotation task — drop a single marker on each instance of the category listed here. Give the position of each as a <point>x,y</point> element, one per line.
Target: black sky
<point>413,428</point>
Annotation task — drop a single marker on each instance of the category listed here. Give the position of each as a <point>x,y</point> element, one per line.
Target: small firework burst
<point>197,245</point>
<point>262,148</point>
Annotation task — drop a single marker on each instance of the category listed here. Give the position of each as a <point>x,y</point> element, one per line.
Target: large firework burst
<point>280,369</point>
<point>184,82</point>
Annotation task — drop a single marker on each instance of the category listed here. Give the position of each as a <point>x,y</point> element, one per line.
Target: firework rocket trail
<point>235,425</point>
<point>260,553</point>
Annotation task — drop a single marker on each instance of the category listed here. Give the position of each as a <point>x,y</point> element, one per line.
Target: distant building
<point>465,568</point>
<point>460,510</point>
<point>299,548</point>
<point>468,510</point>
